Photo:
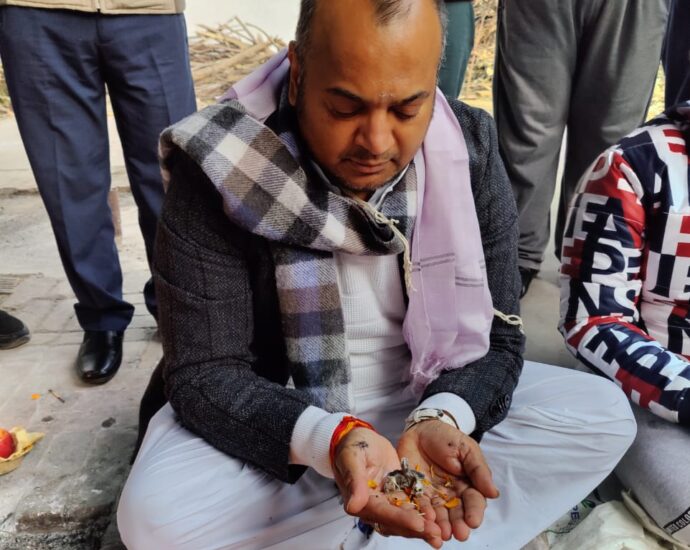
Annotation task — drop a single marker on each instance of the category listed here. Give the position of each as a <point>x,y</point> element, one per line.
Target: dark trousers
<point>588,65</point>
<point>677,53</point>
<point>58,65</point>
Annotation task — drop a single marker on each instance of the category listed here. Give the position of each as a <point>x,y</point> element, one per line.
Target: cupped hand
<point>460,479</point>
<point>362,459</point>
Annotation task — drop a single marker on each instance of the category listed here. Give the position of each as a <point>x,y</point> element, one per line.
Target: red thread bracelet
<point>346,425</point>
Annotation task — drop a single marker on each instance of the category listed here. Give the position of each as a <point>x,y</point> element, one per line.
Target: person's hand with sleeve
<point>361,461</point>
<point>460,479</point>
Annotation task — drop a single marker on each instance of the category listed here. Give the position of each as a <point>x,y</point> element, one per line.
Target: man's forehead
<point>349,36</point>
<point>379,63</point>
<point>364,77</point>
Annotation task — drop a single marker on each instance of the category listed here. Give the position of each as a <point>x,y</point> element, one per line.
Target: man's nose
<point>376,133</point>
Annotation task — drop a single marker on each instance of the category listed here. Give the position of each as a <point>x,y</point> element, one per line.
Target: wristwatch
<point>420,415</point>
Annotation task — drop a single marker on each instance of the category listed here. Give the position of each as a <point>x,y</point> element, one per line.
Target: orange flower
<point>452,503</point>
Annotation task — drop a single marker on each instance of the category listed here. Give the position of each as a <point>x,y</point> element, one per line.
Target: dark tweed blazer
<point>224,369</point>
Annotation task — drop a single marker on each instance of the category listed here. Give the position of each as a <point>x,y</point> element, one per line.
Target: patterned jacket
<point>625,277</point>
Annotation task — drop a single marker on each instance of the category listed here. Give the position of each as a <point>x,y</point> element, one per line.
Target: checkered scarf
<point>267,192</point>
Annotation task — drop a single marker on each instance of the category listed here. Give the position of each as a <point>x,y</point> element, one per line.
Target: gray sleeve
<point>206,323</point>
<point>488,383</point>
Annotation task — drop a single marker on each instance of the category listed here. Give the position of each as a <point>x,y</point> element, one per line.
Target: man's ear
<point>294,73</point>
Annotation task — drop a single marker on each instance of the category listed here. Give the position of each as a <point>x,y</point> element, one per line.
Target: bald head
<point>385,11</point>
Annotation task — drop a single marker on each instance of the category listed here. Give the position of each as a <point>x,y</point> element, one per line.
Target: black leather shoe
<point>526,276</point>
<point>100,355</point>
<point>13,333</point>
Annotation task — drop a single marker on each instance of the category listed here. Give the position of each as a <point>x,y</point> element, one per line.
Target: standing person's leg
<point>146,67</point>
<point>655,468</point>
<point>617,65</point>
<point>677,53</point>
<point>459,42</point>
<point>56,87</point>
<point>535,59</point>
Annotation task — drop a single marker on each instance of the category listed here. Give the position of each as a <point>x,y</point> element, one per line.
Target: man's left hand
<point>455,465</point>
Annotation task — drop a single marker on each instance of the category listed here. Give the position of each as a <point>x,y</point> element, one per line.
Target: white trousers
<point>566,430</point>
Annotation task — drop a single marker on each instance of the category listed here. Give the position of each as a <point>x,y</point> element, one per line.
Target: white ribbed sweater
<point>373,309</point>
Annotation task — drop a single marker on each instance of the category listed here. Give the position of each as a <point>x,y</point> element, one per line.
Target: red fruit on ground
<point>6,443</point>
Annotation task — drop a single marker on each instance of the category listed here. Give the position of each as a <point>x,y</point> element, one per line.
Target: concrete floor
<point>540,314</point>
<point>63,494</point>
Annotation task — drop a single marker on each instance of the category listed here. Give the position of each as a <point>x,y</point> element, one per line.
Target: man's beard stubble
<point>351,190</point>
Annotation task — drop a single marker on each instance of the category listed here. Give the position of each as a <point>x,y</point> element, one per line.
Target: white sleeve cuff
<point>311,439</point>
<point>456,406</point>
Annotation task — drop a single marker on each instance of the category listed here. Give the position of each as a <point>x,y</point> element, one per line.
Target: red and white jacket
<point>625,276</point>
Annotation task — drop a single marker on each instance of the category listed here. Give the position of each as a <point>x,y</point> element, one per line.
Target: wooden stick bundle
<point>480,69</point>
<point>222,55</point>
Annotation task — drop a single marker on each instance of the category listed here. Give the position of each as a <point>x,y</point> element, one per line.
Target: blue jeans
<point>58,64</point>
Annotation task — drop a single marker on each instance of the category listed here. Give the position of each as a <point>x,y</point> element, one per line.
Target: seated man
<point>625,301</point>
<point>331,259</point>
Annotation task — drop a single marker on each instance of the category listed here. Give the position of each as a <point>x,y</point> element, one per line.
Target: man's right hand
<point>364,455</point>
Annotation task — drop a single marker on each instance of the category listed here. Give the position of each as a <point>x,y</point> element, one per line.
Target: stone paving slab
<point>63,495</point>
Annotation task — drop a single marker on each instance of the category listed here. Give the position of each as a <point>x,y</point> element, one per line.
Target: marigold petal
<point>452,503</point>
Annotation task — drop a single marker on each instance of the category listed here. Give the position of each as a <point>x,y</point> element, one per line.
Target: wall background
<point>276,17</point>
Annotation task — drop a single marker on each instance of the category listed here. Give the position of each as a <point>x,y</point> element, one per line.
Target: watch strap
<point>421,415</point>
